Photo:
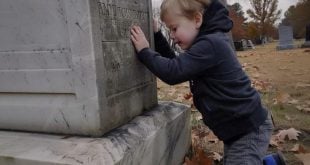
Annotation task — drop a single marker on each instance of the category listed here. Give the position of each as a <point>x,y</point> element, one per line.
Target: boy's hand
<point>138,38</point>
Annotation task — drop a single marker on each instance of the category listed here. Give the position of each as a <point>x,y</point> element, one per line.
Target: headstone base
<point>285,47</point>
<point>306,45</point>
<point>159,136</point>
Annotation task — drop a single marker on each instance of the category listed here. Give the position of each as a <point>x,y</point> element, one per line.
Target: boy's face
<point>183,31</point>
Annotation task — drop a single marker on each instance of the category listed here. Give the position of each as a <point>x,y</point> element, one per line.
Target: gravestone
<point>250,44</point>
<point>69,66</point>
<point>285,38</point>
<point>241,45</point>
<point>307,39</point>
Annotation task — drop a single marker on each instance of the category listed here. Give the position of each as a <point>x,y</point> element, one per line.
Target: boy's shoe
<point>274,159</point>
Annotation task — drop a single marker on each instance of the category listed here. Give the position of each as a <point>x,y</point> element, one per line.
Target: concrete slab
<point>160,136</point>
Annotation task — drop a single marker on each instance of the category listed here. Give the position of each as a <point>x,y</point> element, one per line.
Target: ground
<point>283,80</point>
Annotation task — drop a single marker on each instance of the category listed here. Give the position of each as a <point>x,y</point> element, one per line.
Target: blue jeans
<point>251,148</point>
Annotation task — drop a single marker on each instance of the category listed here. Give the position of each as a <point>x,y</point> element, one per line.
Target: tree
<point>252,31</point>
<point>298,17</point>
<point>265,13</point>
<point>238,9</point>
<point>237,16</point>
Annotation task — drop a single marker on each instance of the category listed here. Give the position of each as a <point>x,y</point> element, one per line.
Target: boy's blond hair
<point>187,8</point>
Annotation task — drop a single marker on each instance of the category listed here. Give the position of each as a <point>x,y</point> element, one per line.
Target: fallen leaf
<point>199,158</point>
<point>171,91</point>
<point>287,117</point>
<point>305,158</point>
<point>187,161</point>
<point>186,85</point>
<point>193,109</point>
<point>199,133</point>
<point>216,156</point>
<point>282,97</point>
<point>256,67</point>
<point>293,101</point>
<point>256,75</point>
<point>299,107</point>
<point>188,96</point>
<point>244,65</point>
<point>199,117</point>
<point>306,110</point>
<point>291,133</point>
<point>179,98</point>
<point>273,143</point>
<point>302,85</point>
<point>212,138</point>
<point>283,68</point>
<point>298,149</point>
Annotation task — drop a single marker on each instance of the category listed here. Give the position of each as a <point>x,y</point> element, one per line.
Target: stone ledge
<point>159,136</point>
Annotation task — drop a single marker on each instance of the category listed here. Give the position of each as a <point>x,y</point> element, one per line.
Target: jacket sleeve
<point>162,46</point>
<point>184,67</point>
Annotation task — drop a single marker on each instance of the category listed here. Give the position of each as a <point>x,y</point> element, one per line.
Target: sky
<point>283,4</point>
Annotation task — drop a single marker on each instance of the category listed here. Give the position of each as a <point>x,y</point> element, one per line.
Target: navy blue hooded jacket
<point>221,90</point>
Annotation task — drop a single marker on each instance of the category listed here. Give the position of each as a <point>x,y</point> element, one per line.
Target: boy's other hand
<point>138,38</point>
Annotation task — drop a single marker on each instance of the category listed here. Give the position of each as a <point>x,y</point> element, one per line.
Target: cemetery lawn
<point>283,79</point>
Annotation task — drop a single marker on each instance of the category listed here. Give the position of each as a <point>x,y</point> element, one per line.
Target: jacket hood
<point>216,19</point>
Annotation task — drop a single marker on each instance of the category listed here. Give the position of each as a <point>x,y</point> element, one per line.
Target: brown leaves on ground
<point>280,142</point>
<point>283,99</point>
<point>199,158</point>
<point>261,86</point>
<point>290,134</point>
<point>257,82</point>
<point>202,136</point>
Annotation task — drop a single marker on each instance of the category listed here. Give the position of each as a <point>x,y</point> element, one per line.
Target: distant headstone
<point>285,37</point>
<point>241,45</point>
<point>307,39</point>
<point>238,45</point>
<point>250,44</point>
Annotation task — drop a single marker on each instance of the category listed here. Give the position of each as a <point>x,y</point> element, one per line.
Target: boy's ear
<point>198,19</point>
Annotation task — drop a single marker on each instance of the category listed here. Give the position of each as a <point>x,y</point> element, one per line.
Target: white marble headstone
<point>69,66</point>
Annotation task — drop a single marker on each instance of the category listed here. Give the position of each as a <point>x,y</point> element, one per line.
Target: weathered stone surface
<point>160,136</point>
<point>69,66</point>
<point>285,38</point>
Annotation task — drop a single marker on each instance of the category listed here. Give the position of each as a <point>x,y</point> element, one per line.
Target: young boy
<point>222,91</point>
